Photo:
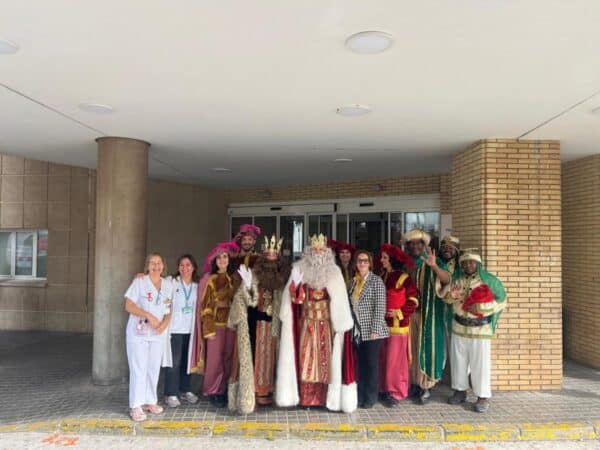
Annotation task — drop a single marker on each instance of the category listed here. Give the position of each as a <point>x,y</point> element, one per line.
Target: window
<point>24,254</point>
<point>427,221</point>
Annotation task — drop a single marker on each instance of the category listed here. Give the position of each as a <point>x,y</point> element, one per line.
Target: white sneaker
<point>172,401</point>
<point>190,397</point>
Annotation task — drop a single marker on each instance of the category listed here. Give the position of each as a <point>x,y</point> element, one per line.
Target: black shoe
<point>424,396</point>
<point>457,398</point>
<point>414,391</point>
<point>218,401</point>
<point>366,405</point>
<point>391,402</point>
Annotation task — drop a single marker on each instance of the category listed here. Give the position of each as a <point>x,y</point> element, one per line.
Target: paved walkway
<point>45,377</point>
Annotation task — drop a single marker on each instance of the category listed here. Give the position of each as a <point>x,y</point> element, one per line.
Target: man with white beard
<point>315,313</point>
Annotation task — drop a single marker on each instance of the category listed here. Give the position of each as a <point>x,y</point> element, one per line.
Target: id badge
<point>186,310</point>
<point>141,328</point>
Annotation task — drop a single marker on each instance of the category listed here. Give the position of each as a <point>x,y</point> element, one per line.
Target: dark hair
<point>396,265</point>
<point>230,267</point>
<point>195,276</point>
<point>362,252</point>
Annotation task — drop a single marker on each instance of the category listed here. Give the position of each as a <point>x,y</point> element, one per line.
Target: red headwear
<point>397,254</point>
<point>230,247</point>
<point>338,246</point>
<point>247,229</point>
<point>481,294</point>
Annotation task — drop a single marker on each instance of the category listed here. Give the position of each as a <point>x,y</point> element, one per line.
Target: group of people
<point>338,328</point>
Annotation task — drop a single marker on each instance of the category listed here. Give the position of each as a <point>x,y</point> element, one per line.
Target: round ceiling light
<point>221,170</point>
<point>367,42</point>
<point>342,160</point>
<point>97,108</point>
<point>7,47</point>
<point>353,110</point>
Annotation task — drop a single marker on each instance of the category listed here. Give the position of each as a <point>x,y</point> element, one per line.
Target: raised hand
<point>431,259</point>
<point>246,275</point>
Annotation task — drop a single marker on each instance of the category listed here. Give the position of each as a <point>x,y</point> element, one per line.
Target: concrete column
<point>121,201</point>
<point>506,200</point>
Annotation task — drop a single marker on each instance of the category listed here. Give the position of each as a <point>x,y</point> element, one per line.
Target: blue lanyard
<point>187,294</point>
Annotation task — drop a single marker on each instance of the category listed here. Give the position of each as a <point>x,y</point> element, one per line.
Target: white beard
<point>317,268</point>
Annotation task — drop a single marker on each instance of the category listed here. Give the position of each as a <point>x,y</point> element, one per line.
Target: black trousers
<point>368,372</point>
<point>176,378</point>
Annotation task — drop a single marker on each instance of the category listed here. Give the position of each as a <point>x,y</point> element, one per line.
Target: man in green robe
<point>429,323</point>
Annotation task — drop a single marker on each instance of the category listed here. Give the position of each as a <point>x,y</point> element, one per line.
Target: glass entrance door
<point>368,231</point>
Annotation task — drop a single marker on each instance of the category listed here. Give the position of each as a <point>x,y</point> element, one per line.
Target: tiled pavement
<point>46,376</point>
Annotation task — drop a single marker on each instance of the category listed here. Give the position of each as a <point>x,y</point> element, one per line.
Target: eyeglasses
<point>362,261</point>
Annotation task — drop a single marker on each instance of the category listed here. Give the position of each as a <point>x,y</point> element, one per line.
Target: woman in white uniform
<point>185,292</point>
<point>148,302</point>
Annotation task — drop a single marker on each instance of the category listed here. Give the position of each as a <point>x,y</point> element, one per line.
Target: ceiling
<point>254,85</point>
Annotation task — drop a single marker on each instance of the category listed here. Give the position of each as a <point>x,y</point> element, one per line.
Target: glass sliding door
<point>291,229</point>
<point>268,227</point>
<point>427,221</point>
<point>368,231</point>
<point>236,222</point>
<point>320,224</point>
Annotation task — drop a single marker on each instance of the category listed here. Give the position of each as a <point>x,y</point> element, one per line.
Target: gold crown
<point>273,245</point>
<point>319,241</point>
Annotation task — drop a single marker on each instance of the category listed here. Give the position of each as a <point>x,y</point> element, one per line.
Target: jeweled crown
<point>318,241</point>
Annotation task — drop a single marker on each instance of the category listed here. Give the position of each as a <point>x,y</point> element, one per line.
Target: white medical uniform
<point>183,308</point>
<point>144,346</point>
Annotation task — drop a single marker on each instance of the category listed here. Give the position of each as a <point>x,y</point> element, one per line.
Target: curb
<point>450,432</point>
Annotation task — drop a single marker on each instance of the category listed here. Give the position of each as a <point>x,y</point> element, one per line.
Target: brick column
<point>581,254</point>
<point>506,201</point>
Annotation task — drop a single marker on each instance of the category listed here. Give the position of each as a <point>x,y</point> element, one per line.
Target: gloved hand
<point>246,275</point>
<point>296,276</point>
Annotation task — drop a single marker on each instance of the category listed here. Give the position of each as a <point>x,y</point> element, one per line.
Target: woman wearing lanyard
<point>185,292</point>
<point>148,302</point>
<point>367,295</point>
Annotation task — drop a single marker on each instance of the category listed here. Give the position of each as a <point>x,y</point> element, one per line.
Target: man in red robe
<point>315,314</point>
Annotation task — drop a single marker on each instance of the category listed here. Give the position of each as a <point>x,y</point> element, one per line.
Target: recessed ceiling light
<point>221,170</point>
<point>353,110</point>
<point>342,160</point>
<point>369,42</point>
<point>7,47</point>
<point>97,108</point>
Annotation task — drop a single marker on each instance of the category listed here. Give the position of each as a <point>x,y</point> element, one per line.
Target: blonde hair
<point>147,263</point>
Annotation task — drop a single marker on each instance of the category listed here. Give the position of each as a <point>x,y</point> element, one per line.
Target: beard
<point>317,268</point>
<point>271,275</point>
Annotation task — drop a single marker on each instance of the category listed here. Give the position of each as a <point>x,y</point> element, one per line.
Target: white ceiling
<point>254,85</point>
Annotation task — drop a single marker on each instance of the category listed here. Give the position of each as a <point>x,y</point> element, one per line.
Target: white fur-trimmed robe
<point>339,397</point>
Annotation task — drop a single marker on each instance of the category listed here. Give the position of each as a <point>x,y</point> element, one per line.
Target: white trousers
<point>469,355</point>
<point>144,358</point>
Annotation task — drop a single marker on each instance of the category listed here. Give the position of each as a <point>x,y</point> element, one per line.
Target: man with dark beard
<point>246,239</point>
<point>449,252</point>
<point>315,314</point>
<point>255,315</point>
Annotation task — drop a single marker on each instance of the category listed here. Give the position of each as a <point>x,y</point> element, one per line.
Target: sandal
<point>137,414</point>
<point>153,409</point>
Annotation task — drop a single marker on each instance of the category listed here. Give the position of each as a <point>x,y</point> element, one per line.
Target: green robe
<point>432,347</point>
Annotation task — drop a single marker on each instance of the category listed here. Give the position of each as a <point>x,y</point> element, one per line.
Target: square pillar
<point>581,255</point>
<point>506,201</point>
